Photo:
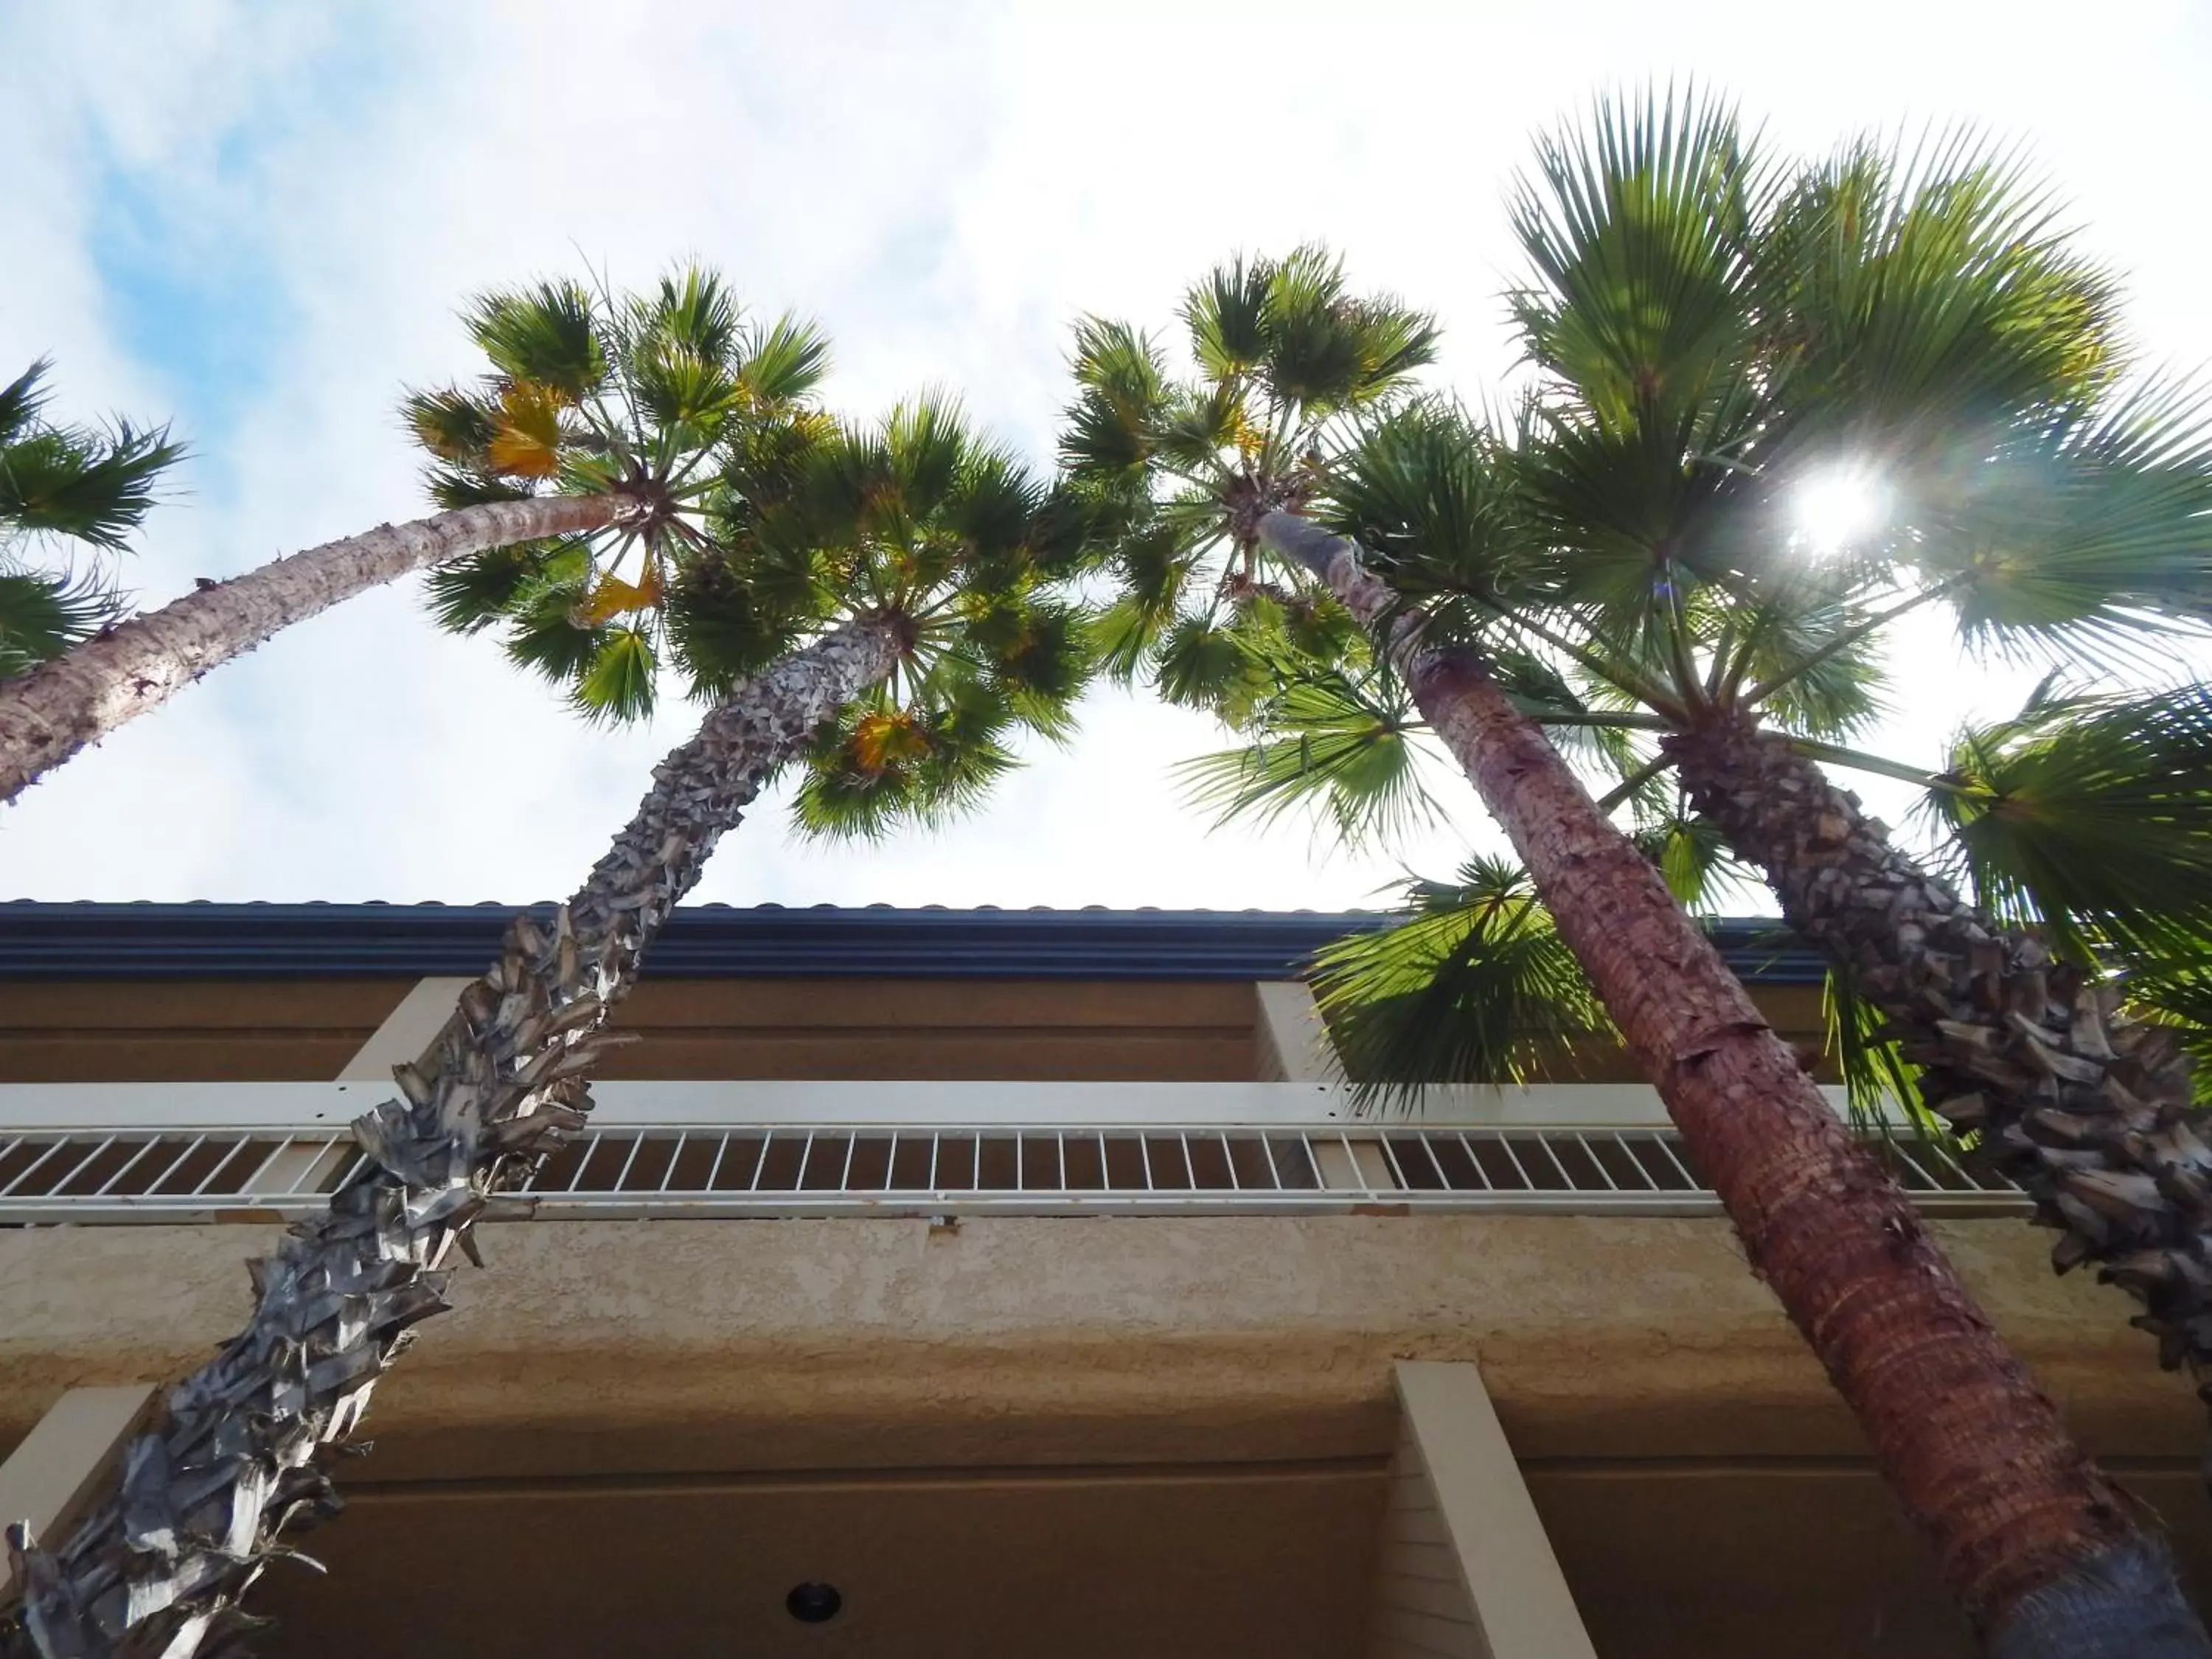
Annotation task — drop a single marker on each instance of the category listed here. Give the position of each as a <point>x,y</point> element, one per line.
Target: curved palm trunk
<point>2089,1112</point>
<point>49,714</point>
<point>2025,1529</point>
<point>240,1455</point>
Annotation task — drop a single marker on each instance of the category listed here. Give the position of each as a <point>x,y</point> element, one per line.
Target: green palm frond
<point>1343,748</point>
<point>1203,662</point>
<point>1637,223</point>
<point>545,335</point>
<point>471,594</point>
<point>784,363</point>
<point>43,615</point>
<point>1326,349</point>
<point>2089,529</point>
<point>450,424</point>
<point>926,449</point>
<point>1881,1086</point>
<point>1808,643</point>
<point>1474,985</point>
<point>694,310</point>
<point>1691,854</point>
<point>1227,316</point>
<point>1919,292</point>
<point>2092,815</point>
<point>724,627</point>
<point>886,765</point>
<point>23,400</point>
<point>1433,497</point>
<point>618,683</point>
<point>1038,652</point>
<point>1120,390</point>
<point>94,485</point>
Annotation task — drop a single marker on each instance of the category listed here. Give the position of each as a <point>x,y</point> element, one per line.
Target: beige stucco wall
<point>664,1344</point>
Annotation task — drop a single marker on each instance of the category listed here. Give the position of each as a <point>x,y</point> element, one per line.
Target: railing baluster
<point>1597,1163</point>
<point>1665,1142</point>
<point>174,1164</point>
<point>124,1168</point>
<point>33,1167</point>
<point>1475,1164</point>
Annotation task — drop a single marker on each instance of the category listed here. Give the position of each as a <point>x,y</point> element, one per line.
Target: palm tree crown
<point>772,522</point>
<point>1285,357</point>
<point>91,487</point>
<point>588,392</point>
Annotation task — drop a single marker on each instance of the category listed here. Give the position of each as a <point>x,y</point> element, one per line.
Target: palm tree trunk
<point>49,714</point>
<point>240,1453</point>
<point>2027,1532</point>
<point>2088,1111</point>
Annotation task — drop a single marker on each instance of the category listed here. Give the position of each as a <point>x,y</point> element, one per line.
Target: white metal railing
<point>102,1154</point>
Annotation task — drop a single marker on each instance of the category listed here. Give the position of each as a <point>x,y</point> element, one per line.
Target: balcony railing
<point>209,1152</point>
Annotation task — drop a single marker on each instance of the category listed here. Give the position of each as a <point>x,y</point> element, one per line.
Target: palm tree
<point>932,566</point>
<point>598,422</point>
<point>915,524</point>
<point>75,484</point>
<point>1717,343</point>
<point>1222,570</point>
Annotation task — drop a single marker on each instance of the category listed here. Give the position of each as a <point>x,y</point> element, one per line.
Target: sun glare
<point>1836,508</point>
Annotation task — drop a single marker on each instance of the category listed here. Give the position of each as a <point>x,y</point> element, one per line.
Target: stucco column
<point>1464,1569</point>
<point>46,1480</point>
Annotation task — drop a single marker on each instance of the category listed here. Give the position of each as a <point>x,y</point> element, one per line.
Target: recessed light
<point>813,1603</point>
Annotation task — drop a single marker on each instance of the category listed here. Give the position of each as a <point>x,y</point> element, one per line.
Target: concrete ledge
<point>668,1346</point>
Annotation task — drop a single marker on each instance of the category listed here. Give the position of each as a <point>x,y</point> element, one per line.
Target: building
<point>1019,1276</point>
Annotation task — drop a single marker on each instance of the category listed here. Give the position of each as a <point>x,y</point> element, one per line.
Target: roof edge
<point>93,941</point>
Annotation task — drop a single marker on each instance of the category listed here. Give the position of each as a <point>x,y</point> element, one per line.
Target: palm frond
<point>1474,985</point>
<point>546,335</point>
<point>23,400</point>
<point>1881,1086</point>
<point>1227,317</point>
<point>43,615</point>
<point>1345,749</point>
<point>784,363</point>
<point>1637,224</point>
<point>2086,530</point>
<point>1120,389</point>
<point>91,486</point>
<point>2090,815</point>
<point>618,683</point>
<point>1923,291</point>
<point>882,766</point>
<point>1326,349</point>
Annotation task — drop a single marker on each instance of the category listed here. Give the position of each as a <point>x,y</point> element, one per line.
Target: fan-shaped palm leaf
<point>1474,986</point>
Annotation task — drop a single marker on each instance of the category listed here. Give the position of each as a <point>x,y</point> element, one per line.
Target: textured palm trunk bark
<point>2090,1112</point>
<point>240,1455</point>
<point>2014,1509</point>
<point>51,712</point>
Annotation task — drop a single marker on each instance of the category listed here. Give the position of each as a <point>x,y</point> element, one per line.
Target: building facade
<point>993,1283</point>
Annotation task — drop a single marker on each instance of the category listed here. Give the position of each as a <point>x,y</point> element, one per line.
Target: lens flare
<point>1838,508</point>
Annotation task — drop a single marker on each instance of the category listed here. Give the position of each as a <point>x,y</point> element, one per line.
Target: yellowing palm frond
<point>526,443</point>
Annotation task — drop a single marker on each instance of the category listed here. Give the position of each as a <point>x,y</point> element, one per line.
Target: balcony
<point>1026,1278</point>
<point>117,1153</point>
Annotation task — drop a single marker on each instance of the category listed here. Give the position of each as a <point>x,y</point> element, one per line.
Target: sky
<point>256,221</point>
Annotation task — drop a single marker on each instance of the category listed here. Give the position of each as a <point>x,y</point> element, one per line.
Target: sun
<point>1836,506</point>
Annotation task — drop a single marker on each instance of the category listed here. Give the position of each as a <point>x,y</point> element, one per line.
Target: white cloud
<point>944,187</point>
